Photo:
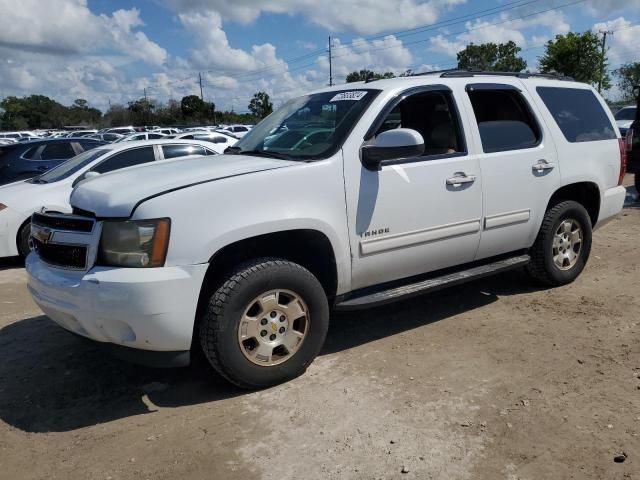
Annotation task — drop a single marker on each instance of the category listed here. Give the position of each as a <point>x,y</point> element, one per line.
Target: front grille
<point>69,224</point>
<point>67,256</point>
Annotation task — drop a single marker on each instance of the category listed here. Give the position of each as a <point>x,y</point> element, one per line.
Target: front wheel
<point>23,240</point>
<point>562,247</point>
<point>636,183</point>
<point>265,324</point>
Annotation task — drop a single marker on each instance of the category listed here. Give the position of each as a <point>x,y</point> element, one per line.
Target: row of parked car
<point>24,154</point>
<point>119,133</point>
<point>42,173</point>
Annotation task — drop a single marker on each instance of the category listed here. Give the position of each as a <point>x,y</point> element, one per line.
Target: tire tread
<point>214,325</point>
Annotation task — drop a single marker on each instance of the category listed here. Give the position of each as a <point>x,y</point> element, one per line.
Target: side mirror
<point>392,145</point>
<point>85,176</point>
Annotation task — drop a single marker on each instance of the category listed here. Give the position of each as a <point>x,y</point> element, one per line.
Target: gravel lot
<point>493,380</point>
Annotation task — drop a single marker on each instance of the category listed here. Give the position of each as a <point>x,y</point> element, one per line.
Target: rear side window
<point>30,154</point>
<point>174,151</point>
<point>504,120</point>
<point>578,113</point>
<point>125,159</point>
<point>57,151</point>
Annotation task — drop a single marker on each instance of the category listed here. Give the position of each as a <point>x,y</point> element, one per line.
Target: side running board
<point>432,284</point>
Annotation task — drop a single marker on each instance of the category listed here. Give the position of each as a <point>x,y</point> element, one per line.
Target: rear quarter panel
<point>596,162</point>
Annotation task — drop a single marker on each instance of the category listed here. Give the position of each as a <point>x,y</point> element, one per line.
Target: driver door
<point>415,215</point>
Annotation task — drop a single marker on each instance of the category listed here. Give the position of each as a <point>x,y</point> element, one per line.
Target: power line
<point>413,31</point>
<point>477,28</point>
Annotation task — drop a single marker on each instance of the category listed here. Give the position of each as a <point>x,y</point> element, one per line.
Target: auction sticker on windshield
<point>352,95</point>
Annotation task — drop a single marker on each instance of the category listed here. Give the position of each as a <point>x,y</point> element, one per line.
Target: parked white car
<point>52,189</point>
<point>119,130</point>
<point>141,136</point>
<point>219,141</point>
<point>376,192</point>
<point>237,130</point>
<point>167,131</point>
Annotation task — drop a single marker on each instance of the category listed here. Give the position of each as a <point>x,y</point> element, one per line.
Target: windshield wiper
<point>38,180</point>
<point>266,153</point>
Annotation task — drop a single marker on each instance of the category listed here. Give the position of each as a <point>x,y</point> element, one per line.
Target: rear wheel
<point>23,240</point>
<point>562,247</point>
<point>265,324</point>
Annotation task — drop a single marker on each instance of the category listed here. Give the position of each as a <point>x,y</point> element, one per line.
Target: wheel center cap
<point>274,327</point>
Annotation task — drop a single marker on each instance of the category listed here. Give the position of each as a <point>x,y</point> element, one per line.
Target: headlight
<point>134,243</point>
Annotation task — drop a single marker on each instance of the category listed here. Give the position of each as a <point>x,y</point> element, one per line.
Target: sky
<point>111,51</point>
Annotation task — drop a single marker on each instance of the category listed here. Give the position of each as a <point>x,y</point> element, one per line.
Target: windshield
<point>626,114</point>
<point>309,127</point>
<point>71,166</point>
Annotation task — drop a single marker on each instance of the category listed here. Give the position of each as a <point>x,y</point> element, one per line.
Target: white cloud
<point>68,26</point>
<point>360,16</point>
<point>622,45</point>
<point>501,30</point>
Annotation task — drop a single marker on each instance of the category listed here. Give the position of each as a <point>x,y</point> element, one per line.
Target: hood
<point>116,194</point>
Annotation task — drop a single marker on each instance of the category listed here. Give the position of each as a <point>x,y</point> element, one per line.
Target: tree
<point>80,103</point>
<point>492,57</point>
<point>260,105</point>
<point>576,55</point>
<point>141,111</point>
<point>365,74</point>
<point>628,77</point>
<point>192,106</point>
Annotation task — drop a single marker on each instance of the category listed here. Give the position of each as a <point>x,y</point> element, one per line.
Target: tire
<point>636,182</point>
<point>23,240</point>
<point>236,346</point>
<point>544,266</point>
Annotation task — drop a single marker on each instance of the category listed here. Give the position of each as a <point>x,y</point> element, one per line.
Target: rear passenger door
<point>518,161</point>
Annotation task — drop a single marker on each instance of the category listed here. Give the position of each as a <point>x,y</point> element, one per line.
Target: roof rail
<point>432,72</point>
<point>473,73</point>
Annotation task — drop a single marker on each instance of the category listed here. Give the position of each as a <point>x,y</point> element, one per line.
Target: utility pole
<point>604,46</point>
<point>330,64</point>
<point>200,80</point>
<point>146,107</point>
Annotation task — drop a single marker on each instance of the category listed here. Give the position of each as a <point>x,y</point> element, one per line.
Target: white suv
<point>372,193</point>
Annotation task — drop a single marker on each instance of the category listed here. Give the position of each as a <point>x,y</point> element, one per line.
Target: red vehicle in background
<point>633,144</point>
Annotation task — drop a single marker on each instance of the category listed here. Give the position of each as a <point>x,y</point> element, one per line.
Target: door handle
<point>42,168</point>
<point>542,166</point>
<point>460,179</point>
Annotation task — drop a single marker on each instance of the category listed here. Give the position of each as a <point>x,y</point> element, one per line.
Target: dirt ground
<point>492,380</point>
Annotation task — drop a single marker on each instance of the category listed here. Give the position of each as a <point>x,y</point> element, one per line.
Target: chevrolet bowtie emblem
<point>42,234</point>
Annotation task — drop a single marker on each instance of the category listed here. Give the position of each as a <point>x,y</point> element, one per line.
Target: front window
<point>309,127</point>
<point>71,166</point>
